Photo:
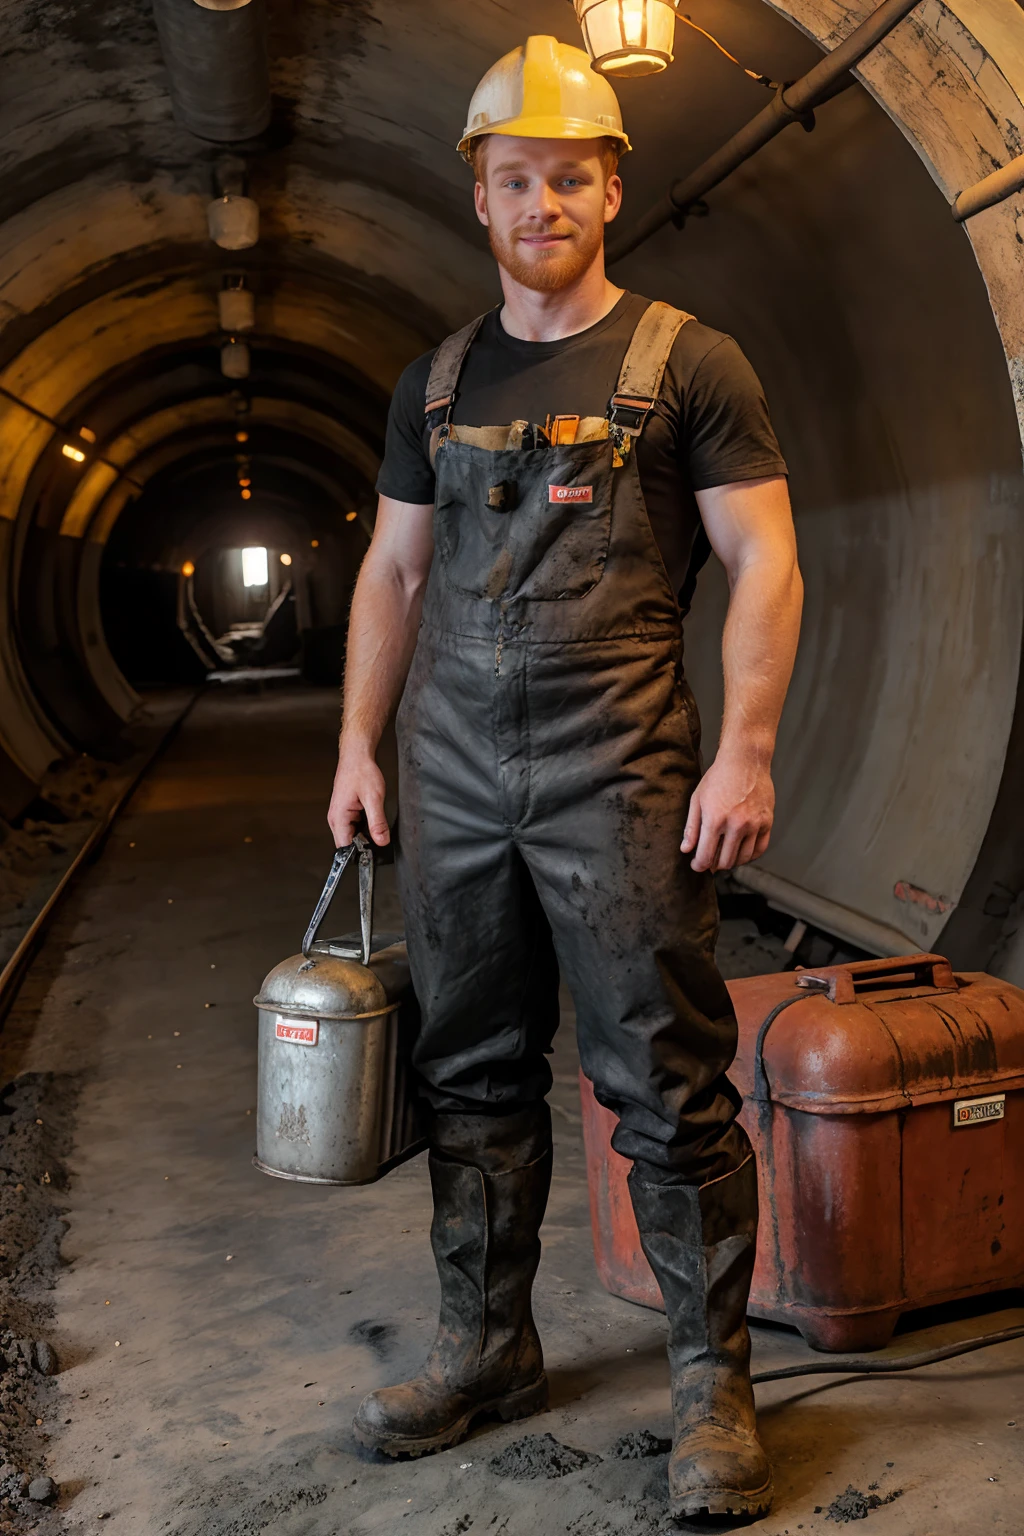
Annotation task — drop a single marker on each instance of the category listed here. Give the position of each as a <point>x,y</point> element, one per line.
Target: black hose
<point>887,1367</point>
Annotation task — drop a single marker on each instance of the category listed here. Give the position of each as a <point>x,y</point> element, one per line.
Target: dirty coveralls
<point>548,748</point>
<point>547,754</point>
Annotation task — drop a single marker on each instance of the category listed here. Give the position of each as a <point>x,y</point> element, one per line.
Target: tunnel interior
<point>150,432</point>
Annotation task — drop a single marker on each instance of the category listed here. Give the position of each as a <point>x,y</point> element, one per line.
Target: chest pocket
<point>524,523</point>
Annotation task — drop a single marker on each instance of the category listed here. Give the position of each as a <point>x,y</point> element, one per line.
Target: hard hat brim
<point>545,128</point>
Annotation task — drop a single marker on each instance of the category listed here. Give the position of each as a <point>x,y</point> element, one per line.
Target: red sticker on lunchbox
<point>570,493</point>
<point>298,1034</point>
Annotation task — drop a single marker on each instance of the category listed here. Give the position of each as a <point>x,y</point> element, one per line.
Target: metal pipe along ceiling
<point>217,63</point>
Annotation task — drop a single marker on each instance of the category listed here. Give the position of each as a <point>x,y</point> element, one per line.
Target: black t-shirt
<point>710,425</point>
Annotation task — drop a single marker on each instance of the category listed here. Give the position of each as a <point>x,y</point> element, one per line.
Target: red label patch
<point>570,493</point>
<point>298,1034</point>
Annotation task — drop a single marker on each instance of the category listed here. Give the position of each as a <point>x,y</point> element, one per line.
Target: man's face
<point>545,203</point>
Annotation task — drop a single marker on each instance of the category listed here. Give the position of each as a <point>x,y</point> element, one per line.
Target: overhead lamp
<point>246,494</point>
<point>236,307</point>
<point>350,517</point>
<point>234,360</point>
<point>314,543</point>
<point>71,452</point>
<point>87,434</point>
<point>244,481</point>
<point>233,221</point>
<point>286,559</point>
<point>188,569</point>
<point>626,38</point>
<point>241,437</point>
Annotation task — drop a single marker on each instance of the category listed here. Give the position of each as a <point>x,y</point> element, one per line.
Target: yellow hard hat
<point>545,90</point>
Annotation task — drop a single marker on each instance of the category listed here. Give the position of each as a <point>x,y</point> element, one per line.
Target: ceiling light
<point>233,222</point>
<point>246,494</point>
<point>286,559</point>
<point>241,437</point>
<point>236,309</point>
<point>350,517</point>
<point>314,543</point>
<point>87,434</point>
<point>628,37</point>
<point>188,569</point>
<point>234,360</point>
<point>73,453</point>
<point>244,480</point>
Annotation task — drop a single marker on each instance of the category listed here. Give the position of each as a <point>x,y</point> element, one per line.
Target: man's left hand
<point>731,814</point>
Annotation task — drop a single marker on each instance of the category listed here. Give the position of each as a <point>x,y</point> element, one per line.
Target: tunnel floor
<point>217,1328</point>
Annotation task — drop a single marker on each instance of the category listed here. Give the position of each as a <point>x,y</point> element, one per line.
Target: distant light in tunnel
<point>241,437</point>
<point>626,38</point>
<point>244,480</point>
<point>314,543</point>
<point>286,559</point>
<point>246,495</point>
<point>188,569</point>
<point>87,434</point>
<point>70,452</point>
<point>255,571</point>
<point>350,517</point>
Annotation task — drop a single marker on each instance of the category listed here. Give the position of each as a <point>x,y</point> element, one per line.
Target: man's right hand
<point>358,791</point>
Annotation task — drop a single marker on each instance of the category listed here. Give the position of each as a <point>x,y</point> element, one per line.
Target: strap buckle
<point>630,412</point>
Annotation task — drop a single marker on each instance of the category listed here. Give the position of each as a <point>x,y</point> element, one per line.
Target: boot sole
<point>752,1503</point>
<point>512,1405</point>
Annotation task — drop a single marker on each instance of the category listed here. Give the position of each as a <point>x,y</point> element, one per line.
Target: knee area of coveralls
<point>493,1143</point>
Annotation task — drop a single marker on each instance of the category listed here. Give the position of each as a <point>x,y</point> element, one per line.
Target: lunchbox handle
<point>896,974</point>
<point>367,853</point>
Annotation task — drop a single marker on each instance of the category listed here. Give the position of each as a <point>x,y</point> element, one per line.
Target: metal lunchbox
<point>885,1102</point>
<point>335,1102</point>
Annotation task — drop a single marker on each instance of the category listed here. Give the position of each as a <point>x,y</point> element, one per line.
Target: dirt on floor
<point>214,1329</point>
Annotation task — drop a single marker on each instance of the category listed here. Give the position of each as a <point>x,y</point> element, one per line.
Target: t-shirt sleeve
<point>727,432</point>
<point>405,473</point>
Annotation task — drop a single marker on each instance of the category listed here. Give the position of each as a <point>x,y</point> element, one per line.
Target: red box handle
<point>896,976</point>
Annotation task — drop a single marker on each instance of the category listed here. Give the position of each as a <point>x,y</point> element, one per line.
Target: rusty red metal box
<point>885,1101</point>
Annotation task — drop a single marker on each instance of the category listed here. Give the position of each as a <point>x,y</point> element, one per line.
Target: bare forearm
<point>381,638</point>
<point>758,649</point>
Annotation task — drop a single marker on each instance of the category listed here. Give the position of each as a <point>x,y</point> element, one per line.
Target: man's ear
<point>612,198</point>
<point>480,202</point>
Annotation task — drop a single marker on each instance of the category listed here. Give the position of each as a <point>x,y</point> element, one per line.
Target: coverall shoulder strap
<point>447,365</point>
<point>643,366</point>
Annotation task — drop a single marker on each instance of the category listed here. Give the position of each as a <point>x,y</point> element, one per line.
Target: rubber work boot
<point>490,1177</point>
<point>700,1244</point>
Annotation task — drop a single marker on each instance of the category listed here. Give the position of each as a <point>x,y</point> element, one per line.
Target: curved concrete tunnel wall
<point>882,332</point>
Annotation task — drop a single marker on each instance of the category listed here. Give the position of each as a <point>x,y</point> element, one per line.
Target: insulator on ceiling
<point>626,38</point>
<point>237,309</point>
<point>234,222</point>
<point>222,5</point>
<point>234,360</point>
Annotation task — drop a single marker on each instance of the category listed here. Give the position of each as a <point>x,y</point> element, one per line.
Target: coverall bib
<point>548,748</point>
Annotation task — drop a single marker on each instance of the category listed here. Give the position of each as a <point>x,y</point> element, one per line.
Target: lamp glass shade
<point>626,38</point>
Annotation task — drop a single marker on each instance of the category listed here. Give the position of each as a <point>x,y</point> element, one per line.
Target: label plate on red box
<point>979,1111</point>
<point>298,1033</point>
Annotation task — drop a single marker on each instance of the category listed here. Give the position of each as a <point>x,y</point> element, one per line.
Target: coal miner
<point>555,475</point>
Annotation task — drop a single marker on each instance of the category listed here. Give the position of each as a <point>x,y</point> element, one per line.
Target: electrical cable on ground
<point>887,1367</point>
